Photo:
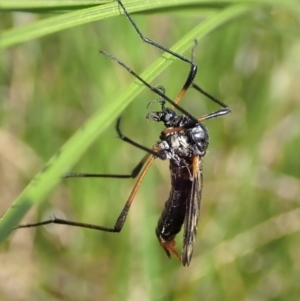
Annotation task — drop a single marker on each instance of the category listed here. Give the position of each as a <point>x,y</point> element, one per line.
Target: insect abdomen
<point>172,217</point>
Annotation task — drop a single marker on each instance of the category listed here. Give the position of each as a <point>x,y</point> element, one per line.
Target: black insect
<point>183,142</point>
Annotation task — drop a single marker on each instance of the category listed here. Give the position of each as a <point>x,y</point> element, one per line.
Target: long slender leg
<point>158,154</point>
<point>133,174</point>
<point>226,110</point>
<point>215,114</point>
<point>191,76</point>
<point>136,169</point>
<point>199,89</point>
<point>212,98</point>
<point>152,88</point>
<point>120,221</point>
<point>193,70</point>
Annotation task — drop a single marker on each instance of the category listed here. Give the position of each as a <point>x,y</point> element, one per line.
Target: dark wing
<point>192,213</point>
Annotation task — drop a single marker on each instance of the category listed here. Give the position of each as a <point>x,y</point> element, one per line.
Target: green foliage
<point>60,100</point>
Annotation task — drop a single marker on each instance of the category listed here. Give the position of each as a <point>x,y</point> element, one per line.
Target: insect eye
<point>168,117</point>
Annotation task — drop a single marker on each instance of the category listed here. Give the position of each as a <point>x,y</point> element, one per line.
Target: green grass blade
<point>56,23</point>
<point>47,4</point>
<point>53,24</point>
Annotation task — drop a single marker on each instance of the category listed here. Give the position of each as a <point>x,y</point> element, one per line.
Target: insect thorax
<point>189,138</point>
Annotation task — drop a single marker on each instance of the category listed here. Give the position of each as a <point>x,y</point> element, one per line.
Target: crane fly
<point>183,142</point>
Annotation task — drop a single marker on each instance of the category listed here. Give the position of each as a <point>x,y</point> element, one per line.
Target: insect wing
<point>192,213</point>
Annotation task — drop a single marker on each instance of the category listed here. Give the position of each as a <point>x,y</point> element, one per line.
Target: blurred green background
<point>248,244</point>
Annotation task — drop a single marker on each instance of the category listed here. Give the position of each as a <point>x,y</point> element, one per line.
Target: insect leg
<point>136,170</point>
<point>226,110</point>
<point>154,89</point>
<point>158,154</point>
<point>193,70</point>
<point>120,221</point>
